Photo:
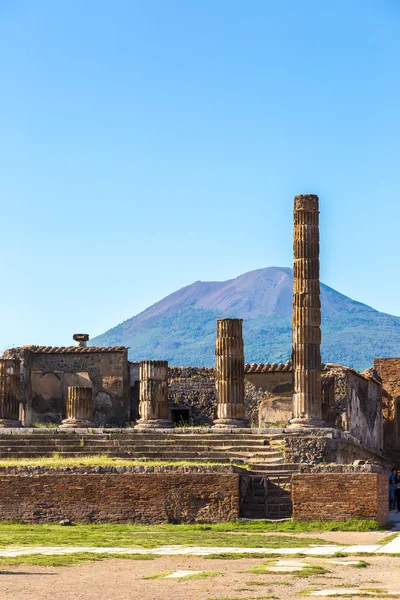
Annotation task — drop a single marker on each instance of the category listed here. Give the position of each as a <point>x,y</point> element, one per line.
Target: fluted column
<point>10,382</point>
<point>229,374</point>
<point>306,324</point>
<point>153,405</point>
<point>79,408</point>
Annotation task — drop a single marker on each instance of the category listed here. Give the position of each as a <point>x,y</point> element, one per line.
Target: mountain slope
<point>181,327</point>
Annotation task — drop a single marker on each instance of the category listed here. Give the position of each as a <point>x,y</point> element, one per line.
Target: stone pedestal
<point>306,326</point>
<point>10,382</point>
<point>229,375</point>
<point>80,408</point>
<point>153,405</point>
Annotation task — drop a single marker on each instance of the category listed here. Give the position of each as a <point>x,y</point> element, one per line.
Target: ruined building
<point>288,422</point>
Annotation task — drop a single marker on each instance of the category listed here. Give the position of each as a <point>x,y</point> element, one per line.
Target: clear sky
<point>149,144</point>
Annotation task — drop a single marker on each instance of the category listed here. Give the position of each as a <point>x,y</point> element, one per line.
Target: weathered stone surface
<point>9,392</point>
<point>388,369</point>
<point>306,338</point>
<point>153,406</point>
<point>80,407</point>
<point>229,374</point>
<point>47,372</point>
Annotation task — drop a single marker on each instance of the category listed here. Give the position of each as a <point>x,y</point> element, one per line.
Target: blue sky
<point>149,144</point>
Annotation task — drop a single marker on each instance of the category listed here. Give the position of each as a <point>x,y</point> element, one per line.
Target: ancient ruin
<point>79,407</point>
<point>229,370</point>
<point>9,392</point>
<point>306,327</point>
<point>153,407</point>
<point>307,419</point>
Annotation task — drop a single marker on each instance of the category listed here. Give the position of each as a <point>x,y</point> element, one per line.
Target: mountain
<point>181,327</point>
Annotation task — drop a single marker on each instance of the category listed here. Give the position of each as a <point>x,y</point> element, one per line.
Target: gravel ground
<point>123,579</point>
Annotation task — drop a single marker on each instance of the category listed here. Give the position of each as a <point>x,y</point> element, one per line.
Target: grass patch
<point>202,575</point>
<point>159,575</point>
<point>360,593</point>
<point>306,571</point>
<point>389,538</point>
<point>102,460</point>
<point>263,569</point>
<point>68,560</point>
<point>310,571</point>
<point>139,536</point>
<point>361,564</point>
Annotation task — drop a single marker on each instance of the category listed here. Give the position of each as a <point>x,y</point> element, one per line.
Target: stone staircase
<point>268,488</point>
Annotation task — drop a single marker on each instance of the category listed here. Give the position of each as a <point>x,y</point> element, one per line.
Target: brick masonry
<point>120,498</point>
<point>340,496</point>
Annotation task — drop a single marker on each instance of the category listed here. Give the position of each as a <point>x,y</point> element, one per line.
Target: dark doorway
<point>180,417</point>
<point>135,401</point>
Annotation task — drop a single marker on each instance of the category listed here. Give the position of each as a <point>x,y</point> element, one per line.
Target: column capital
<point>306,202</point>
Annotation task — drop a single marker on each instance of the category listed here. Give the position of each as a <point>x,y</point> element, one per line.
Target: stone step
<point>10,441</point>
<point>189,459</point>
<point>88,447</point>
<point>154,456</point>
<point>261,467</point>
<point>138,444</point>
<point>140,434</point>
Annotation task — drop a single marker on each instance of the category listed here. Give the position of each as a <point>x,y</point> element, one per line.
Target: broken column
<point>79,408</point>
<point>229,374</point>
<point>306,324</point>
<point>10,382</point>
<point>153,405</point>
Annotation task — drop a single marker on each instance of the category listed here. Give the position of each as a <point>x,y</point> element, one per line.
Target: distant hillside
<point>181,327</point>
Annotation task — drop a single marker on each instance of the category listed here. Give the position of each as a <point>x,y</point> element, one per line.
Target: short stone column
<point>229,374</point>
<point>10,385</point>
<point>306,325</point>
<point>153,405</point>
<point>80,408</point>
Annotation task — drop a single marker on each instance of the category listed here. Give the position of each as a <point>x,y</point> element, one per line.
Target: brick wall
<point>340,496</point>
<point>120,498</point>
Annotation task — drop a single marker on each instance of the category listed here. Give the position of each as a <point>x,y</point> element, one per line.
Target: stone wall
<point>340,496</point>
<point>48,372</point>
<point>365,411</point>
<point>120,498</point>
<point>351,400</point>
<point>193,388</point>
<point>328,446</point>
<point>388,370</point>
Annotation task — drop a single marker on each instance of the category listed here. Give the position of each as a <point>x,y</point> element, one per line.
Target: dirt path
<point>123,580</point>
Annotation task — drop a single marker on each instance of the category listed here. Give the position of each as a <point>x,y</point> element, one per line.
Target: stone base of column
<point>76,424</point>
<point>9,423</point>
<point>306,422</point>
<point>230,424</point>
<point>153,424</point>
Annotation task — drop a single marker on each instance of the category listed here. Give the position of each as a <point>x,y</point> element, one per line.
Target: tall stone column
<point>10,385</point>
<point>153,405</point>
<point>229,374</point>
<point>80,408</point>
<point>306,325</point>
